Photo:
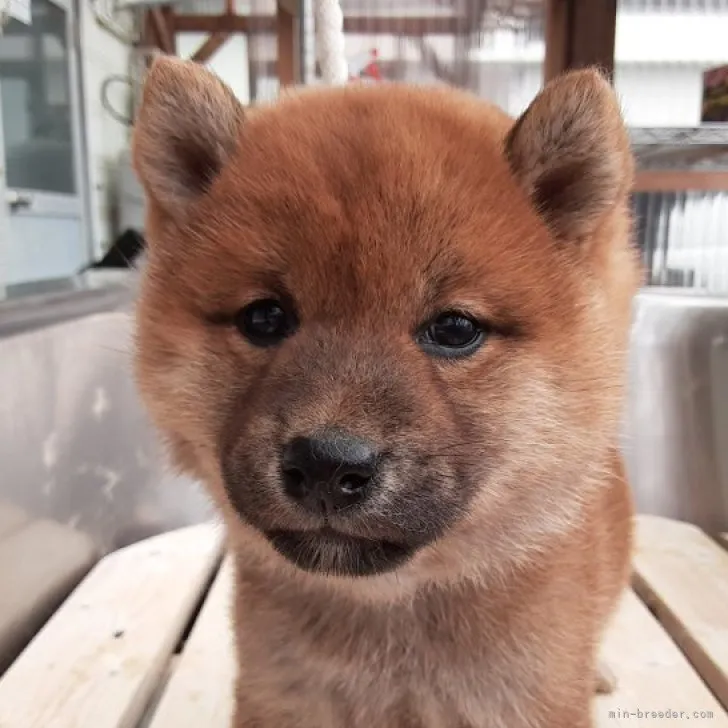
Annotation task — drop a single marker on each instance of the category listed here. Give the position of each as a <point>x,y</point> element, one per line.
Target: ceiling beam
<point>212,45</point>
<point>286,41</point>
<point>215,23</point>
<point>578,35</point>
<point>413,26</point>
<point>163,24</point>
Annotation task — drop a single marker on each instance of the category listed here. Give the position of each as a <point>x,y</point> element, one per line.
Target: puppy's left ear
<point>187,128</point>
<point>570,152</point>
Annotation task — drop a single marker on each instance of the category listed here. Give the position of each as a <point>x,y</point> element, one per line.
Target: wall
<point>230,62</point>
<point>652,94</point>
<point>660,95</point>
<point>660,61</point>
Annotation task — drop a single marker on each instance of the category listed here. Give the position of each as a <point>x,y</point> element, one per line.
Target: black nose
<point>328,472</point>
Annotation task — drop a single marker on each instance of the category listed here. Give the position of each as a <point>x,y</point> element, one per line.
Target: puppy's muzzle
<point>329,472</point>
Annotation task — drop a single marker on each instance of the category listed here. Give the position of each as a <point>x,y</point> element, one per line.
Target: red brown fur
<point>374,209</point>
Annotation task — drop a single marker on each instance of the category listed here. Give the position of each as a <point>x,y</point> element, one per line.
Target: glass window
<point>36,102</point>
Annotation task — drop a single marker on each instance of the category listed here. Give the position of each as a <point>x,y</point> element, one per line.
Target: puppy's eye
<point>265,323</point>
<point>452,335</point>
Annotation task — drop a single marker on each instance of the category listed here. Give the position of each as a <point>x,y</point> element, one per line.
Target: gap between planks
<point>682,575</point>
<point>200,691</point>
<point>653,675</point>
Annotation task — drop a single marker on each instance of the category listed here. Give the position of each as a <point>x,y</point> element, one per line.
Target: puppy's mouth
<point>330,552</point>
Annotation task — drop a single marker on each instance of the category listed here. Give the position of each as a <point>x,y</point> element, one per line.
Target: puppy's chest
<point>387,670</point>
<point>379,691</point>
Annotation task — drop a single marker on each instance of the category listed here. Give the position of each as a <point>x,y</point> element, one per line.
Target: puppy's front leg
<point>569,714</point>
<point>275,713</point>
<point>606,680</point>
<point>582,721</point>
<point>570,721</point>
<point>244,719</point>
<point>247,715</point>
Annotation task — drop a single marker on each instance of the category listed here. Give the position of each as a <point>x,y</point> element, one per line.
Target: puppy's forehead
<point>372,198</point>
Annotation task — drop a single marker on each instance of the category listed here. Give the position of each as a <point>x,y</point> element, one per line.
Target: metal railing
<point>681,206</point>
<point>683,236</point>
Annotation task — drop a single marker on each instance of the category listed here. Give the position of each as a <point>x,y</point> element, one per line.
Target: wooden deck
<point>144,641</point>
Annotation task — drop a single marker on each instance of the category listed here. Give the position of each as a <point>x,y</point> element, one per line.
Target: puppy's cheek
<point>184,392</point>
<point>541,476</point>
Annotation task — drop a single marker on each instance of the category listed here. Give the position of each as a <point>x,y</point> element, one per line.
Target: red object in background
<point>369,69</point>
<point>372,68</point>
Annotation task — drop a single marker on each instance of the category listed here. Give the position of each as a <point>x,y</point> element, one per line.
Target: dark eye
<point>265,323</point>
<point>452,335</point>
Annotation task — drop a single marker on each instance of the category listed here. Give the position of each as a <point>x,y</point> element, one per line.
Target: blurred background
<point>69,73</point>
<point>81,472</point>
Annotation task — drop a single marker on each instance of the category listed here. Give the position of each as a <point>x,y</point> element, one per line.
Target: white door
<point>44,231</point>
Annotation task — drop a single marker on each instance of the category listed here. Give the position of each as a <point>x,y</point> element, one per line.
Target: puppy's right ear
<point>186,130</point>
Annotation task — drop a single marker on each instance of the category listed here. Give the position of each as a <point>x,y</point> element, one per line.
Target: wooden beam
<point>286,37</point>
<point>163,32</point>
<point>594,32</point>
<point>578,35</point>
<point>168,15</point>
<point>412,26</point>
<point>219,23</point>
<point>680,181</point>
<point>292,7</point>
<point>149,39</point>
<point>556,22</point>
<point>212,45</point>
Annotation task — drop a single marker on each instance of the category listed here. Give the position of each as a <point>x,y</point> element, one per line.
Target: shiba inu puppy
<point>386,326</point>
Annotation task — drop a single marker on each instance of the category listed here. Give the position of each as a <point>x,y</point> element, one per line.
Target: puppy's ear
<point>186,130</point>
<point>570,152</point>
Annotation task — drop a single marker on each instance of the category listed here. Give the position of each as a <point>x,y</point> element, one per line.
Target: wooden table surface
<point>145,642</point>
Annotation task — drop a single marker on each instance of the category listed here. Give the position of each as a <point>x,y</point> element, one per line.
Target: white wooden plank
<point>200,692</point>
<point>683,575</point>
<point>96,662</point>
<point>654,677</point>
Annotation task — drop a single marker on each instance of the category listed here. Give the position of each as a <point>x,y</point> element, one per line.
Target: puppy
<point>387,326</point>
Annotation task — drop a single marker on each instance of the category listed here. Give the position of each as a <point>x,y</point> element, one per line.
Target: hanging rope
<point>329,21</point>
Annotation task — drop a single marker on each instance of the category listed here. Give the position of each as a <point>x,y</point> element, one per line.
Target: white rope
<point>330,42</point>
